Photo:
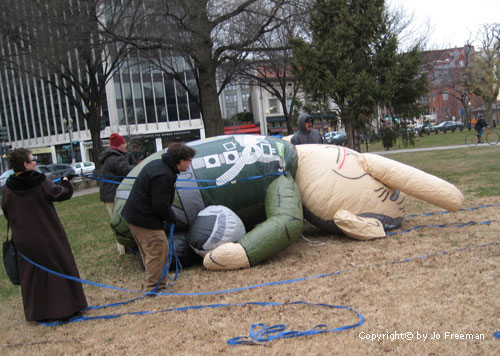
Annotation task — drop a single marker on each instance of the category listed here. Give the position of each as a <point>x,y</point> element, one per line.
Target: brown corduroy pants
<point>153,246</point>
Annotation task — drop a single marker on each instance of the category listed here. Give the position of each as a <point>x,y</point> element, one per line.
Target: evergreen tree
<point>353,58</point>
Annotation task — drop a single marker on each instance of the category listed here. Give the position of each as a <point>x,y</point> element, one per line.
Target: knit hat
<point>116,140</point>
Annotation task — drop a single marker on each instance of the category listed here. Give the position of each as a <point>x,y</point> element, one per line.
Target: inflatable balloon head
<point>363,195</point>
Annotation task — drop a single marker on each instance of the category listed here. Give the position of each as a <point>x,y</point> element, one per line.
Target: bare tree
<point>485,67</point>
<point>269,65</point>
<point>60,42</point>
<point>207,35</point>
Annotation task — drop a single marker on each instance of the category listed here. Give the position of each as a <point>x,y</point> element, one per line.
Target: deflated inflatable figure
<point>272,185</point>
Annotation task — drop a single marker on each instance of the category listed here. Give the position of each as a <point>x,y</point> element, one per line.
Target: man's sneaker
<point>165,289</point>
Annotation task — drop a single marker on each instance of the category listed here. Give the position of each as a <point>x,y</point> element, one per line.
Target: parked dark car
<point>449,126</point>
<point>328,137</point>
<point>54,171</point>
<point>339,139</point>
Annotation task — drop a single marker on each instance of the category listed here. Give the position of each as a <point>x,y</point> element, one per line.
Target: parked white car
<point>3,178</point>
<point>83,167</point>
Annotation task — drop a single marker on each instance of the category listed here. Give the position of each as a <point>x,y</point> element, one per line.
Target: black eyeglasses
<point>34,159</point>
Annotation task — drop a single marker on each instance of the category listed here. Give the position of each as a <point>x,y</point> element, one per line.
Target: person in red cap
<point>114,167</point>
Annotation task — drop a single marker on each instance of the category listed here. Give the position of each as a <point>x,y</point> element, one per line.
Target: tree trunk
<point>349,132</point>
<point>212,117</point>
<point>488,113</point>
<point>93,120</point>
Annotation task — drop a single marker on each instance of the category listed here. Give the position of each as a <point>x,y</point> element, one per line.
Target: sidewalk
<point>76,193</point>
<point>85,191</point>
<point>427,149</point>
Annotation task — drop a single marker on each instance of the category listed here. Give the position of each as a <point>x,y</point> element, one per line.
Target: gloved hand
<point>70,176</point>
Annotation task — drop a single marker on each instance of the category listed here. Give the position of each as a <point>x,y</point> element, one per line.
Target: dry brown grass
<point>457,292</point>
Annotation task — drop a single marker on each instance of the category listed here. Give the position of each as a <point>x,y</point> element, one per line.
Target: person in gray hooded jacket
<point>306,133</point>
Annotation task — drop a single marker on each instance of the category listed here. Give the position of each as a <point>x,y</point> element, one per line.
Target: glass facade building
<point>142,103</point>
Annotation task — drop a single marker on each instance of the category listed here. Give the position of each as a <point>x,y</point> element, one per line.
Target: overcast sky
<point>451,21</point>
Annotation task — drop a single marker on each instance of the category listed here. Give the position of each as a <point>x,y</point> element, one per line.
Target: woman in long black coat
<point>38,234</point>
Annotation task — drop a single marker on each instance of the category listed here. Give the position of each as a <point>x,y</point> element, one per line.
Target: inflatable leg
<point>283,225</point>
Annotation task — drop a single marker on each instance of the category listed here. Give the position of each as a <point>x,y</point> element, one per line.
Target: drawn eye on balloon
<point>383,193</point>
<point>342,158</point>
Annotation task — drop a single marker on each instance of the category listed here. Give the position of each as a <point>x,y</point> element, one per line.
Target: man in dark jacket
<point>114,167</point>
<point>306,133</point>
<point>149,205</point>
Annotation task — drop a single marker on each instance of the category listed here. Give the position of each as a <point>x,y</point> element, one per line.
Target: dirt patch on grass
<point>432,282</point>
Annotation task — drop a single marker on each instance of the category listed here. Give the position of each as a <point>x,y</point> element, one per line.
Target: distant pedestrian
<point>114,167</point>
<point>149,207</point>
<point>28,204</point>
<point>306,133</point>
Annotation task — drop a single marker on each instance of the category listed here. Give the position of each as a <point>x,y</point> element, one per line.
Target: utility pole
<point>4,149</point>
<point>69,125</point>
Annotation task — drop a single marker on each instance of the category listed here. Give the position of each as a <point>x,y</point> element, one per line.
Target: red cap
<point>116,140</point>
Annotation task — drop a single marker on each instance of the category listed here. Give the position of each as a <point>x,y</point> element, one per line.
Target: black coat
<point>150,201</point>
<point>114,166</point>
<point>28,204</point>
<point>480,124</point>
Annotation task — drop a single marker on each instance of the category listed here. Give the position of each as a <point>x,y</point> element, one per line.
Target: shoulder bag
<point>10,259</point>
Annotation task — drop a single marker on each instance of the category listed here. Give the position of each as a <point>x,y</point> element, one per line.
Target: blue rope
<point>441,226</point>
<point>263,333</point>
<point>448,212</point>
<point>259,336</point>
<point>97,178</point>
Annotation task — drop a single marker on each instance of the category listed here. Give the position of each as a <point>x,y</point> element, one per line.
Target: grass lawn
<point>431,140</point>
<point>453,292</point>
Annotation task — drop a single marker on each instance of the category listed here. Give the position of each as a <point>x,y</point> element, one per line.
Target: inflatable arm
<point>283,225</point>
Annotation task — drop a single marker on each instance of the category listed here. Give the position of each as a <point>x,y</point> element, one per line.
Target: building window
<point>273,105</point>
<point>445,96</point>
